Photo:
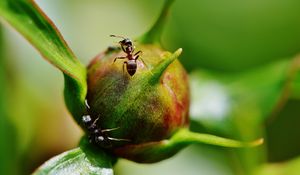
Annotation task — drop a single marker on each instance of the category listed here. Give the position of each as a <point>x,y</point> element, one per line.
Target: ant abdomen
<point>131,67</point>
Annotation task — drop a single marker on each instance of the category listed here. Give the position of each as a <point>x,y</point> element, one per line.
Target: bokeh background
<point>241,58</point>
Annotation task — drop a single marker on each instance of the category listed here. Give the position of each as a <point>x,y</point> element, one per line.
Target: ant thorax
<point>128,49</point>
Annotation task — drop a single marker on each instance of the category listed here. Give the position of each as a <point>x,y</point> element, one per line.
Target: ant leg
<point>108,130</point>
<point>96,120</point>
<point>86,104</point>
<point>119,58</point>
<point>125,63</point>
<point>133,48</point>
<point>137,56</point>
<point>143,62</point>
<point>137,53</point>
<point>115,139</point>
<point>123,48</point>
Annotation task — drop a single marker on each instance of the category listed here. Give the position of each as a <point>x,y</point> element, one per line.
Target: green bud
<point>149,106</point>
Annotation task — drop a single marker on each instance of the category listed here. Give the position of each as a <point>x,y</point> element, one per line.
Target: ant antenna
<point>117,36</point>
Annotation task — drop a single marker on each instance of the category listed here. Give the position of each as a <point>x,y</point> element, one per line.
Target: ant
<point>97,135</point>
<point>128,47</point>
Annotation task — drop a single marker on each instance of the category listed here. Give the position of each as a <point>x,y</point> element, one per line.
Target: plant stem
<point>186,137</point>
<point>157,151</point>
<point>153,36</point>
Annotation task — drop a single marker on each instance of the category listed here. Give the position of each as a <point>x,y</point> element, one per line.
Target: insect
<point>128,47</point>
<point>96,134</point>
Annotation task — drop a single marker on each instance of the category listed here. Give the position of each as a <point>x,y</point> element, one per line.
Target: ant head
<point>87,120</point>
<point>126,42</point>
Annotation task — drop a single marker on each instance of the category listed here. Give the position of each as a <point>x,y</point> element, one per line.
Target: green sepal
<point>87,159</point>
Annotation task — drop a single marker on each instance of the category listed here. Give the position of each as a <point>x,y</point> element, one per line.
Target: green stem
<point>154,34</point>
<point>186,137</point>
<point>157,151</point>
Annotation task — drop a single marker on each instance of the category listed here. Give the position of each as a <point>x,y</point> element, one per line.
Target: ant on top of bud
<point>128,47</point>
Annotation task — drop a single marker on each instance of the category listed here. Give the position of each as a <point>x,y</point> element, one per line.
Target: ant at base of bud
<point>97,135</point>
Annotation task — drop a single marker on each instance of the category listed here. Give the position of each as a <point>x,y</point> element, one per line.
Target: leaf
<point>8,143</point>
<point>224,36</point>
<point>237,105</point>
<point>218,98</point>
<point>295,80</point>
<point>291,167</point>
<point>83,160</point>
<point>28,19</point>
<point>296,87</point>
<point>153,36</point>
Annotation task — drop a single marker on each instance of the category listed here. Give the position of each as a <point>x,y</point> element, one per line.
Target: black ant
<point>128,47</point>
<point>97,135</point>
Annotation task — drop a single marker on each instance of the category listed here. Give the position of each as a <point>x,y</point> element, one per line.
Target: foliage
<point>83,160</point>
<point>247,98</point>
<point>37,28</point>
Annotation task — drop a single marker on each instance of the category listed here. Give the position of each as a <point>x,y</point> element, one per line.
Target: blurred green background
<point>240,55</point>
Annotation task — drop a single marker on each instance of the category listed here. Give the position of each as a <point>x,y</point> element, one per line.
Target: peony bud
<point>148,107</point>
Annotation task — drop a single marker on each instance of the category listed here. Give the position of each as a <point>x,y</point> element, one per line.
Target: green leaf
<point>238,104</point>
<point>86,159</point>
<point>153,36</point>
<point>296,88</point>
<point>295,79</point>
<point>219,98</point>
<point>28,19</point>
<point>157,151</point>
<point>8,143</point>
<point>291,167</point>
<point>223,36</point>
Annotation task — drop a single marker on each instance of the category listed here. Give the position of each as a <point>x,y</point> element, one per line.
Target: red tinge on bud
<point>147,107</point>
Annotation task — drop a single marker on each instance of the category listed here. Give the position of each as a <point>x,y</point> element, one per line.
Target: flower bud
<point>148,106</point>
